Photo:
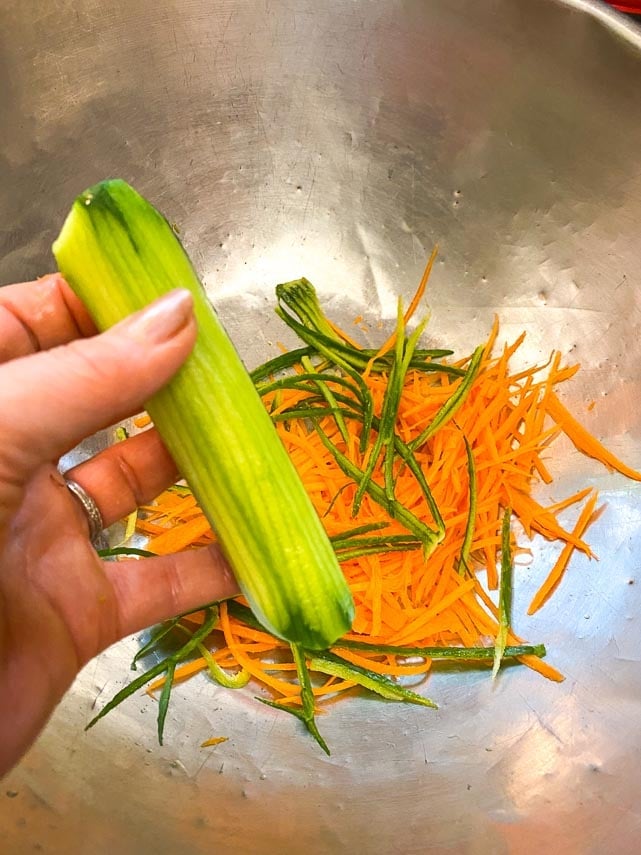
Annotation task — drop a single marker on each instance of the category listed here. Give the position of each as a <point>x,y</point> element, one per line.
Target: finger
<point>53,399</point>
<point>126,475</point>
<point>39,315</point>
<point>154,589</point>
<point>50,401</point>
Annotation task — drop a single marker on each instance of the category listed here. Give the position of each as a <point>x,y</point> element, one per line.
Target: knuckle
<point>130,478</point>
<point>88,363</point>
<point>173,584</point>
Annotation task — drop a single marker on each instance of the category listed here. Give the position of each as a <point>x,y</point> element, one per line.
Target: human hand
<point>60,605</point>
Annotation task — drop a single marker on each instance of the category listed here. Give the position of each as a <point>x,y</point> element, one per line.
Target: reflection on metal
<point>340,141</point>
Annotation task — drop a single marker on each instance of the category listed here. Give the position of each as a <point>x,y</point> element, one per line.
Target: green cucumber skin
<point>112,237</point>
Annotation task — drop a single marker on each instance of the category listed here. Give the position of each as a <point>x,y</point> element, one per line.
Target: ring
<point>94,517</point>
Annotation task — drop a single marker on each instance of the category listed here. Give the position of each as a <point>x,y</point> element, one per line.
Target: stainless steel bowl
<point>340,140</point>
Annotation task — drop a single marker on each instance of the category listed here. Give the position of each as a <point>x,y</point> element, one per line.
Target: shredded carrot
<point>215,740</point>
<point>584,441</point>
<point>509,419</point>
<point>543,668</point>
<point>414,303</point>
<point>554,577</point>
<point>142,421</point>
<point>346,338</point>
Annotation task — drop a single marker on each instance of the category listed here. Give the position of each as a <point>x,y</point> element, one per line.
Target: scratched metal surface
<point>340,140</point>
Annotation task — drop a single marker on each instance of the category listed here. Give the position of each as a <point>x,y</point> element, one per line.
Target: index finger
<point>38,315</point>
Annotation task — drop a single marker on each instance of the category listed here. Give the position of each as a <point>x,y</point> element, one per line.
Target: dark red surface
<point>633,7</point>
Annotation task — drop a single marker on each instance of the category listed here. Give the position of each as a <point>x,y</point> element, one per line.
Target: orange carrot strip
<point>556,573</point>
<point>253,665</point>
<point>584,441</point>
<point>388,668</point>
<point>416,299</point>
<point>571,500</point>
<point>177,538</point>
<point>346,338</point>
<point>215,740</point>
<point>541,520</point>
<point>142,420</point>
<point>542,667</point>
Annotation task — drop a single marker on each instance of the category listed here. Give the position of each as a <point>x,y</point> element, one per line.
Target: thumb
<point>51,400</point>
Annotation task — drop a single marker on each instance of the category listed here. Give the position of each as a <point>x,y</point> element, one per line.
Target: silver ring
<point>94,517</point>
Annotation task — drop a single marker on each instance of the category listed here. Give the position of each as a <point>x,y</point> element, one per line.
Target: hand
<point>60,604</point>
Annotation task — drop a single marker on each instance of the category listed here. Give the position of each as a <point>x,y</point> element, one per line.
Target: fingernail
<point>164,318</point>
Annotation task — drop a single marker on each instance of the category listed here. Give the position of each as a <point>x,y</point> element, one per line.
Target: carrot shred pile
<point>509,419</point>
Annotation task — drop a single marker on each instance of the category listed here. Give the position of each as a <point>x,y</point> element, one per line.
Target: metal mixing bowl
<point>340,140</point>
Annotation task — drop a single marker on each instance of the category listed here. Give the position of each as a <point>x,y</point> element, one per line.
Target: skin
<point>60,605</point>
